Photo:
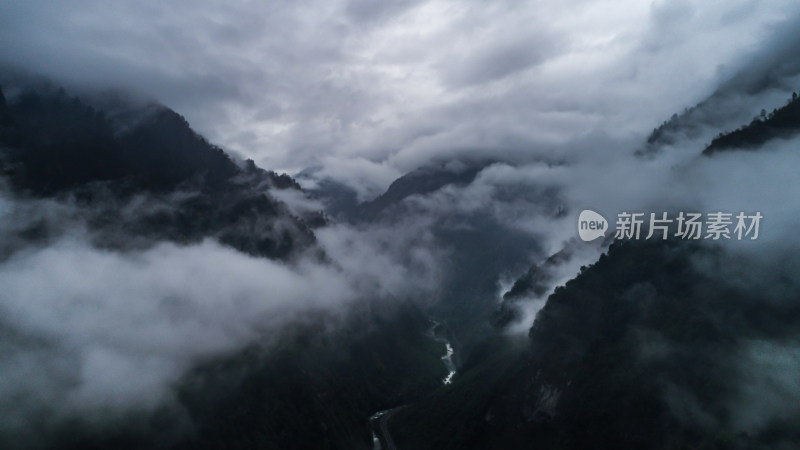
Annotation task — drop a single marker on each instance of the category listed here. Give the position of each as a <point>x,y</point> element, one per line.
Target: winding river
<point>382,417</point>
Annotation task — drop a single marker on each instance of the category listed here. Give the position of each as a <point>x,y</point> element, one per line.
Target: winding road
<point>385,437</point>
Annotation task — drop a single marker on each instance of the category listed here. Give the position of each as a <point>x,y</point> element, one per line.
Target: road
<point>384,429</point>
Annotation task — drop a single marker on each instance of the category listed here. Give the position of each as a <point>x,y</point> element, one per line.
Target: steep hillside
<point>315,390</point>
<point>782,122</point>
<point>424,180</point>
<point>134,177</point>
<point>143,174</point>
<point>644,349</point>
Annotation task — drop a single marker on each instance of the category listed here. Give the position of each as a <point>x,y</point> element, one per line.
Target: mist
<point>97,332</point>
<point>560,107</point>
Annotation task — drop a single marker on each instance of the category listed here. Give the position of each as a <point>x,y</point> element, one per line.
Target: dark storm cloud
<point>369,12</point>
<point>368,90</point>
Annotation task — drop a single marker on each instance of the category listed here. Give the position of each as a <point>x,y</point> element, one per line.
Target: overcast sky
<point>371,89</point>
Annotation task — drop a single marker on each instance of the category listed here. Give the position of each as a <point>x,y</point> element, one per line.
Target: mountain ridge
<point>53,145</point>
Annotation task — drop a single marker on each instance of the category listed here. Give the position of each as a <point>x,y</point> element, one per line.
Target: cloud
<point>90,332</point>
<point>368,178</point>
<point>400,83</point>
<point>561,92</point>
<point>367,12</point>
<point>769,392</point>
<point>78,320</point>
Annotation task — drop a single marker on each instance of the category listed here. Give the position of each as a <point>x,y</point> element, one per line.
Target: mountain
<point>185,189</point>
<point>731,101</point>
<point>422,181</point>
<point>341,201</point>
<point>644,349</point>
<point>782,122</point>
<point>314,389</point>
<point>657,345</point>
<point>536,282</point>
<point>137,175</point>
<point>479,249</point>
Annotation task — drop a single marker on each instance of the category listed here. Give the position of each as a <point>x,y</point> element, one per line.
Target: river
<point>383,416</point>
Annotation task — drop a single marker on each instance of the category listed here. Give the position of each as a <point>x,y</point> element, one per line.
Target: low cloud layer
<point>143,316</point>
<point>93,332</point>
